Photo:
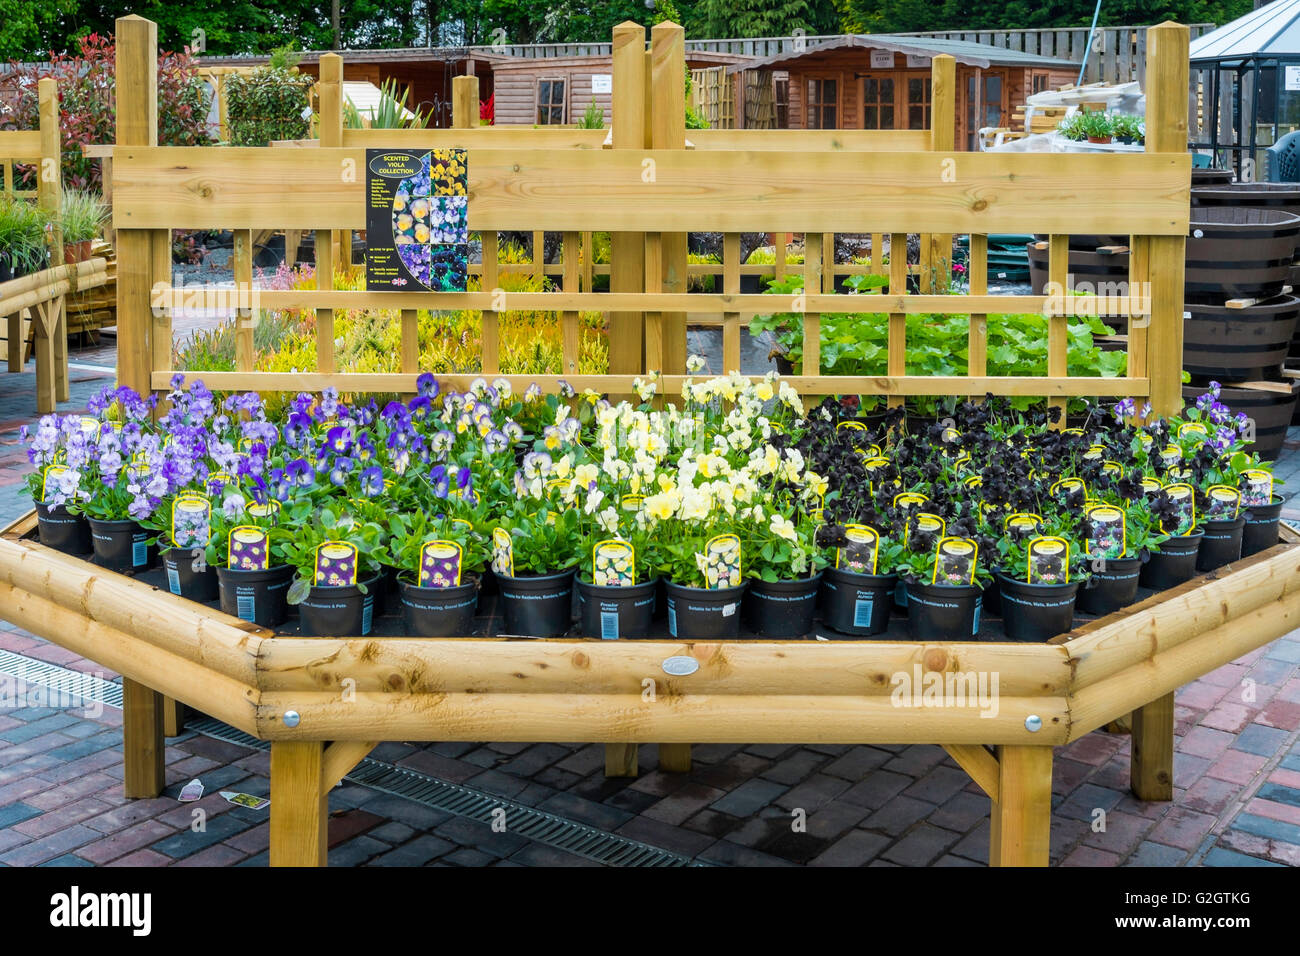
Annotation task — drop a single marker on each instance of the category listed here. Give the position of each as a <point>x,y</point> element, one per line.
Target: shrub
<point>270,102</point>
<point>86,104</point>
<point>82,215</point>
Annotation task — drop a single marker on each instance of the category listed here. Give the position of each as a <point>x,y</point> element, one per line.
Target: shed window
<point>823,103</point>
<point>550,102</point>
<point>1039,81</point>
<point>918,102</point>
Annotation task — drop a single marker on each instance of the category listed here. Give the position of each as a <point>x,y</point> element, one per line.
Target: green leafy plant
<point>593,118</point>
<point>409,531</point>
<point>390,113</point>
<point>1097,125</point>
<point>270,102</point>
<point>545,541</point>
<point>23,228</point>
<point>308,528</point>
<point>1128,128</point>
<point>82,217</point>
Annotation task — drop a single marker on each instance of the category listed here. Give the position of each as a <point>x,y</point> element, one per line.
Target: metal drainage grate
<point>576,838</point>
<point>65,683</point>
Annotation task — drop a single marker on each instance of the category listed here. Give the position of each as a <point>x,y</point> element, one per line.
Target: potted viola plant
<point>945,577</point>
<point>534,557</point>
<point>337,559</point>
<point>58,449</point>
<point>859,583</point>
<point>439,563</point>
<point>784,572</point>
<point>1041,569</point>
<point>246,546</point>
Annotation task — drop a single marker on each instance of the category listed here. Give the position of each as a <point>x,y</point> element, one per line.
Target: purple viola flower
<point>372,481</point>
<point>339,439</point>
<point>426,386</point>
<point>495,441</point>
<point>419,407</point>
<point>439,480</point>
<point>365,448</point>
<point>300,472</point>
<point>340,470</point>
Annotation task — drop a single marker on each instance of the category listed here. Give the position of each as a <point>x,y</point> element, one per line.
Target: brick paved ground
<point>1237,783</point>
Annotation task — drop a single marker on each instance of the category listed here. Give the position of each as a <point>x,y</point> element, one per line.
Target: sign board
<point>915,62</point>
<point>602,83</point>
<point>1293,77</point>
<point>417,235</point>
<point>882,59</point>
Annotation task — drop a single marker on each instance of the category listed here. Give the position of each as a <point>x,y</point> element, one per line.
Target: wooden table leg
<point>173,712</point>
<point>1022,815</point>
<point>142,740</point>
<point>620,760</point>
<point>675,758</point>
<point>299,804</point>
<point>59,318</point>
<point>15,341</point>
<point>1151,758</point>
<point>41,321</point>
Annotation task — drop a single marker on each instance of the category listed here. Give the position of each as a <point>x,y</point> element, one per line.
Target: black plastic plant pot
<point>1036,612</point>
<point>704,613</point>
<point>943,612</point>
<point>122,546</point>
<point>1221,544</point>
<point>661,600</point>
<point>613,613</point>
<point>857,604</point>
<point>537,606</point>
<point>1113,585</point>
<point>1174,563</point>
<point>336,611</point>
<point>386,592</point>
<point>257,596</point>
<point>992,603</point>
<point>439,612</point>
<point>781,608</point>
<point>1260,532</point>
<point>189,575</point>
<point>61,530</point>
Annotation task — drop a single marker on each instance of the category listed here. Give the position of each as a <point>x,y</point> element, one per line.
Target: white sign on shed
<point>602,83</point>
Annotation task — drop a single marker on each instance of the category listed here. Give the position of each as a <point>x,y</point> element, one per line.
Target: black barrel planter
<point>1260,532</point>
<point>704,613</point>
<point>61,530</point>
<point>1090,271</point>
<point>943,612</point>
<point>189,575</point>
<point>340,611</point>
<point>537,605</point>
<point>439,612</point>
<point>1239,253</point>
<point>1036,612</point>
<point>1271,412</point>
<point>1238,345</point>
<point>1174,563</point>
<point>1221,544</point>
<point>613,613</point>
<point>1088,243</point>
<point>781,608</point>
<point>257,596</point>
<point>1210,177</point>
<point>1284,197</point>
<point>857,604</point>
<point>1113,585</point>
<point>122,546</point>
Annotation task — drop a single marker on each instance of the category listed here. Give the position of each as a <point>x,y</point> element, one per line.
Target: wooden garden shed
<point>861,81</point>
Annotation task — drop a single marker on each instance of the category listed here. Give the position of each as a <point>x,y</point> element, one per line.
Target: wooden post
<point>731,286</point>
<point>142,740</point>
<point>627,249</point>
<point>299,804</point>
<point>330,130</point>
<point>977,337</point>
<point>49,181</point>
<point>668,131</point>
<point>943,133</point>
<point>1151,758</point>
<point>897,342</point>
<point>1058,331</point>
<point>464,102</point>
<point>1166,126</point>
<point>491,333</point>
<point>1022,814</point>
<point>570,340</point>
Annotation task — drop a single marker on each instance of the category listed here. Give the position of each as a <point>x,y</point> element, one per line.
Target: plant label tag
<point>244,799</point>
<point>1172,457</point>
<point>248,549</point>
<point>909,500</point>
<point>974,481</point>
<point>336,564</point>
<point>1067,487</point>
<point>191,791</point>
<point>269,509</point>
<point>1184,500</point>
<point>862,551</point>
<point>460,524</point>
<point>1095,453</point>
<point>1049,561</point>
<point>613,564</point>
<point>722,562</point>
<point>1023,521</point>
<point>1111,468</point>
<point>818,515</point>
<point>1195,431</point>
<point>925,523</point>
<point>1106,532</point>
<point>1150,486</point>
<point>1256,487</point>
<point>218,480</point>
<point>53,471</point>
<point>1225,502</point>
<point>89,426</point>
<point>440,562</point>
<point>503,552</point>
<point>632,503</point>
<point>954,561</point>
<point>1071,431</point>
<point>191,521</point>
<point>962,461</point>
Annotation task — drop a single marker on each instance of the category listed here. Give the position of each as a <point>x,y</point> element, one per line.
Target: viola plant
<point>304,549</point>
